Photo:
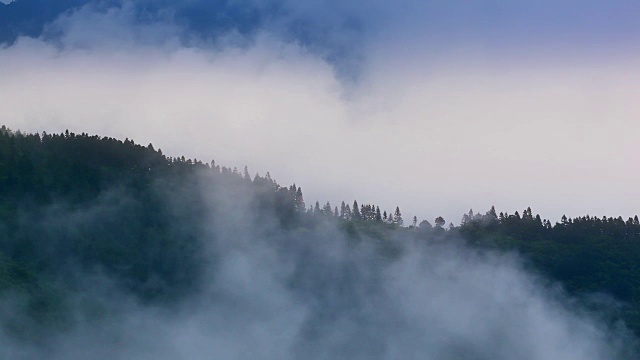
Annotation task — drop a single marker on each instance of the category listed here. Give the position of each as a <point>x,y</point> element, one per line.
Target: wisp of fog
<point>274,293</point>
<point>450,104</point>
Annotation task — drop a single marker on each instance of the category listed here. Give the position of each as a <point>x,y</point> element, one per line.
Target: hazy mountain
<point>113,249</point>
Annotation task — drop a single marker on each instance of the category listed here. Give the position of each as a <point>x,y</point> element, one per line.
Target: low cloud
<point>346,109</point>
<point>272,293</point>
<point>435,129</point>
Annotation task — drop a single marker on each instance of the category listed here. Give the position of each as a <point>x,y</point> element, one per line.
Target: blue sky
<point>338,29</point>
<point>436,106</point>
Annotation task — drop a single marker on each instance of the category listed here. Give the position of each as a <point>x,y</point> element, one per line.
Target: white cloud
<point>433,136</point>
<point>269,293</point>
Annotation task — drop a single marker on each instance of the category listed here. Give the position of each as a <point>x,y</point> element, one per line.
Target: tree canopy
<point>70,201</point>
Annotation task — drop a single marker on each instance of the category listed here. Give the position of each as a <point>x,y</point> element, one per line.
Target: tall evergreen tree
<point>397,217</point>
<point>355,211</point>
<point>424,225</point>
<point>492,213</point>
<point>326,210</point>
<point>299,201</point>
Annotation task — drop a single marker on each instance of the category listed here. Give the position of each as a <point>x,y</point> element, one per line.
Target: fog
<point>273,293</point>
<point>435,116</point>
<point>430,106</point>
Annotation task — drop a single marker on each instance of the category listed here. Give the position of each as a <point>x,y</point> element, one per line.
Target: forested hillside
<point>78,208</point>
<point>587,254</point>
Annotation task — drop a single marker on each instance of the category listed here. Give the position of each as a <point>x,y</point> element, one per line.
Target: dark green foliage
<point>356,212</point>
<point>397,217</point>
<point>84,204</point>
<point>77,200</point>
<point>70,202</point>
<point>586,254</point>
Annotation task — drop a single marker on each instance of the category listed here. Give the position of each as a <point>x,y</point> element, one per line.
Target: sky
<point>433,106</point>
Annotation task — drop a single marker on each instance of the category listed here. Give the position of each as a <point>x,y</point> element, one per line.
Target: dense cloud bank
<point>415,104</point>
<point>334,35</point>
<point>269,292</point>
<point>356,89</point>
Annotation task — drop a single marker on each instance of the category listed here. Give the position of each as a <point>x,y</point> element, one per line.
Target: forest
<point>78,204</point>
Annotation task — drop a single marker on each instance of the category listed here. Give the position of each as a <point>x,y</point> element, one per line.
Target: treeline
<point>364,212</point>
<point>586,254</point>
<point>72,202</point>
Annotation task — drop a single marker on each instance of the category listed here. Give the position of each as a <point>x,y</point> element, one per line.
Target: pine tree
<point>538,220</point>
<point>356,212</point>
<point>326,210</point>
<point>299,201</point>
<point>397,217</point>
<point>492,213</point>
<point>246,174</point>
<point>424,224</point>
<point>527,215</point>
<point>372,212</point>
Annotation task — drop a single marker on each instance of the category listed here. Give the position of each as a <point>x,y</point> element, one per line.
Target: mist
<point>266,291</point>
<point>466,116</point>
<point>434,107</point>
